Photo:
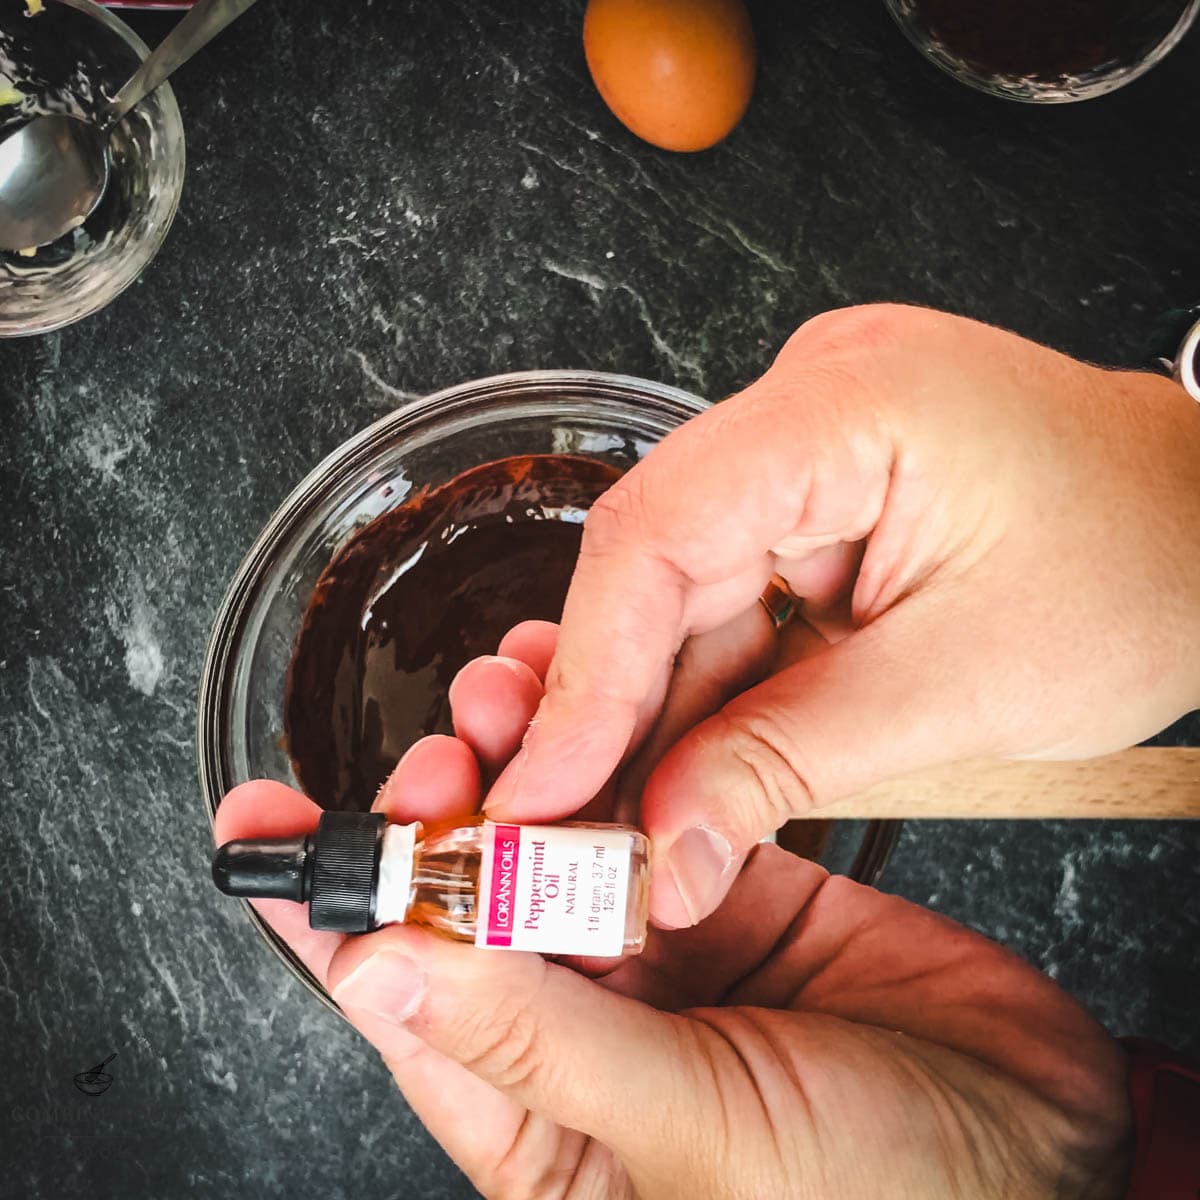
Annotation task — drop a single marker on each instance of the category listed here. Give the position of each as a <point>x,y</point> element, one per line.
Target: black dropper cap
<point>336,870</point>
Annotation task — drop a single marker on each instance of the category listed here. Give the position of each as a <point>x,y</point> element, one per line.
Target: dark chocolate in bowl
<point>412,598</point>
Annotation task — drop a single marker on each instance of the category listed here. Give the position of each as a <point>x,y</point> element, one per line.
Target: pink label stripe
<point>506,846</point>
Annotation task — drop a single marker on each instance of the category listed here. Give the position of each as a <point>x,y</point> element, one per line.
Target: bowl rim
<point>145,252</point>
<point>226,631</point>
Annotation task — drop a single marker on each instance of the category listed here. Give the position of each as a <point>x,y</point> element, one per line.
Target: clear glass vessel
<point>615,418</point>
<point>68,57</point>
<point>1043,51</point>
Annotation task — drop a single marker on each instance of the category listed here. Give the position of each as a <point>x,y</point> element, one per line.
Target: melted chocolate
<point>415,595</point>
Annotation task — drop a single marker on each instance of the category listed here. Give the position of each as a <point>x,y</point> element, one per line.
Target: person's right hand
<point>1001,544</point>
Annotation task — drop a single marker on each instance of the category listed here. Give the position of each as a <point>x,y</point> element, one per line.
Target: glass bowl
<point>1015,50</point>
<point>69,58</point>
<point>610,417</point>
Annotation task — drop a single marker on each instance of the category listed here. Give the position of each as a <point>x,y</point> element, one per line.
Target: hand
<point>813,1039</point>
<point>1001,546</point>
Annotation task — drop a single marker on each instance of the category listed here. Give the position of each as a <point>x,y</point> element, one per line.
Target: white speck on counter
<point>103,449</point>
<point>143,654</point>
<point>530,179</point>
<point>218,1073</point>
<point>373,376</point>
<point>1066,903</point>
<point>579,276</point>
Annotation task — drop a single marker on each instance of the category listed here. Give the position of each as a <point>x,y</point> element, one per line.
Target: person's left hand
<point>812,1038</point>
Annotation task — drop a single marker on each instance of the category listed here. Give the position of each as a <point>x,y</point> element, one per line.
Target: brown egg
<point>678,73</point>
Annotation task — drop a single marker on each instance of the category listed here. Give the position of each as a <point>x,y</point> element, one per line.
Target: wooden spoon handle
<point>1138,784</point>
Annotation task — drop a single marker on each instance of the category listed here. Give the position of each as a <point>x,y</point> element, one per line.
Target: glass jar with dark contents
<point>1045,50</point>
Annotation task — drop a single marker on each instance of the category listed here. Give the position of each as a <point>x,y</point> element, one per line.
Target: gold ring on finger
<point>778,602</point>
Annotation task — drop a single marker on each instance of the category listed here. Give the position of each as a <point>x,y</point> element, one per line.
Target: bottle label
<point>556,890</point>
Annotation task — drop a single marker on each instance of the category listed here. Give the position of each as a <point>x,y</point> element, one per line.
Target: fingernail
<point>698,867</point>
<point>386,985</point>
<point>507,786</point>
<point>380,803</point>
<point>513,666</point>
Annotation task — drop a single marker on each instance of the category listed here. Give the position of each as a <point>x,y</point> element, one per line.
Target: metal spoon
<point>53,171</point>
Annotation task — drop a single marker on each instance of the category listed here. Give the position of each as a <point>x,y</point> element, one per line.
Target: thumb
<point>557,1043</point>
<point>882,702</point>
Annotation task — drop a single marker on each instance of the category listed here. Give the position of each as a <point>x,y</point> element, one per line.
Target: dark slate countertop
<point>383,199</point>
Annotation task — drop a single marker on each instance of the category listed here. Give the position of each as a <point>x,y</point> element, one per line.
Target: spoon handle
<point>200,26</point>
<point>1147,782</point>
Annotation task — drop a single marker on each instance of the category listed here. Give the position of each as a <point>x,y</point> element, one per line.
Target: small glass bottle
<point>575,888</point>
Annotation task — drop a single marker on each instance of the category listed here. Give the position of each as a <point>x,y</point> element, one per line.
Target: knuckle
<point>778,782</point>
<point>863,328</point>
<point>617,517</point>
<point>506,1046</point>
<point>512,1179</point>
